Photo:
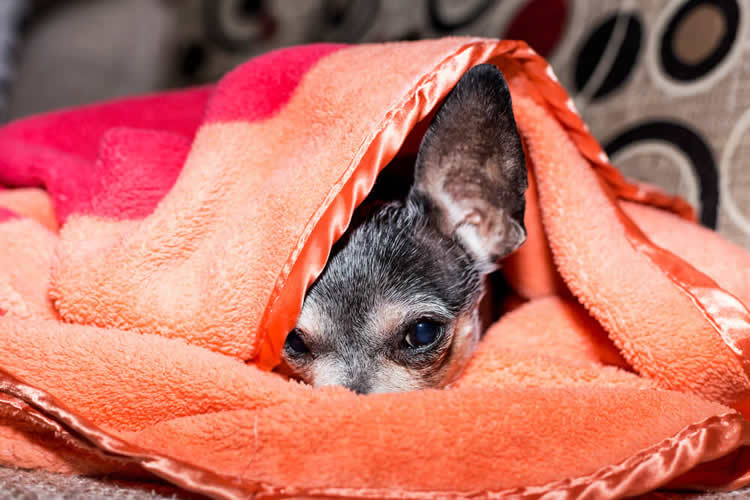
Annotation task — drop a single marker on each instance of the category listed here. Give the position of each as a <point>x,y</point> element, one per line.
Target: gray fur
<point>420,253</point>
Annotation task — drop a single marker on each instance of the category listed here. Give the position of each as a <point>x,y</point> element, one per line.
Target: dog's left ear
<point>471,169</point>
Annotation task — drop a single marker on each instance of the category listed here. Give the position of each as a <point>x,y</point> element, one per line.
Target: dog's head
<point>396,306</point>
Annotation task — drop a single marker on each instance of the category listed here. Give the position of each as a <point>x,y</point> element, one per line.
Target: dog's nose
<point>359,389</point>
<point>359,385</point>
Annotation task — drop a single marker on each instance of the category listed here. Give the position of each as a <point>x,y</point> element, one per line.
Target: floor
<point>32,485</point>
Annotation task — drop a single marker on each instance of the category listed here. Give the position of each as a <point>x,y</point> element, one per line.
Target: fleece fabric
<point>155,251</point>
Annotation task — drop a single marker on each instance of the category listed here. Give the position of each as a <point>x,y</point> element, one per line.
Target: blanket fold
<point>155,251</point>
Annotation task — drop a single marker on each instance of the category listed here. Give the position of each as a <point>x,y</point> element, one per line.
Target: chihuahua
<point>397,306</point>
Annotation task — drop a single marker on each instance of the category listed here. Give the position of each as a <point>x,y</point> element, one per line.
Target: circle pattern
<point>593,59</point>
<point>660,164</point>
<point>444,21</point>
<point>690,144</point>
<point>347,20</point>
<point>695,43</point>
<point>236,24</point>
<point>735,183</point>
<point>713,23</point>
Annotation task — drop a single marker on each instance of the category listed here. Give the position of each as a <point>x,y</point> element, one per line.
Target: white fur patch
<point>328,370</point>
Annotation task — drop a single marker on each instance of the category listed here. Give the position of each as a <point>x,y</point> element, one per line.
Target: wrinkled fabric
<point>156,250</point>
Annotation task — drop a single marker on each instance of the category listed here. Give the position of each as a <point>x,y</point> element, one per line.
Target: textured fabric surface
<point>130,330</point>
<point>659,83</point>
<point>18,484</point>
<point>669,112</point>
<point>635,88</point>
<point>39,485</point>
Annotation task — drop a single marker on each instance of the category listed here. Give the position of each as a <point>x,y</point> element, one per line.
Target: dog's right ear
<point>471,168</point>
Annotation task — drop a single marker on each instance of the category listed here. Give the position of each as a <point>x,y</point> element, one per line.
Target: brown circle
<point>699,34</point>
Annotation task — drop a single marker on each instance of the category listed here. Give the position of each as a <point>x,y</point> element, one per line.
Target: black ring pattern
<point>692,145</point>
<point>260,23</point>
<point>347,20</point>
<point>593,48</point>
<point>682,71</point>
<point>443,25</point>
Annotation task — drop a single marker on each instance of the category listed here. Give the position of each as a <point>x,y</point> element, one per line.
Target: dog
<point>397,306</point>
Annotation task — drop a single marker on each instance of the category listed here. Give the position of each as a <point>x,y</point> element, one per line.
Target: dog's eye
<point>422,333</point>
<point>294,343</point>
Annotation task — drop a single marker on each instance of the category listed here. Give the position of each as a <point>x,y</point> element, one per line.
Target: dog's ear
<point>471,169</point>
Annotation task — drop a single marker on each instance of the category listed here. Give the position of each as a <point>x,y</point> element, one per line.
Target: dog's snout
<point>359,384</point>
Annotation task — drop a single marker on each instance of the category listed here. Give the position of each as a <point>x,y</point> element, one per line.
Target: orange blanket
<point>154,252</point>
